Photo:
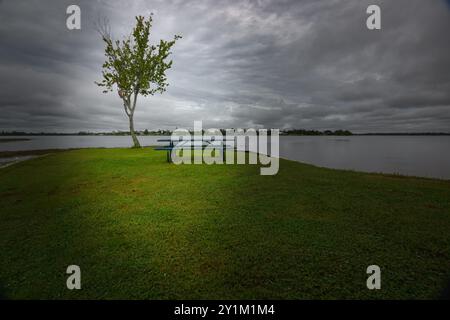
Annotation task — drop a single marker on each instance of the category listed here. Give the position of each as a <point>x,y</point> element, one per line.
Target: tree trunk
<point>136,143</point>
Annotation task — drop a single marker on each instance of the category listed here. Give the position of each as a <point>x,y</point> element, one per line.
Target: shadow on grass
<point>445,295</point>
<point>3,295</point>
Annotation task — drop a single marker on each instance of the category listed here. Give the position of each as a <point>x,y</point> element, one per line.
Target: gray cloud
<point>304,64</point>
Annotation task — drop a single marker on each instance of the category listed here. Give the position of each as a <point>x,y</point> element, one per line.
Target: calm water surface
<point>427,156</point>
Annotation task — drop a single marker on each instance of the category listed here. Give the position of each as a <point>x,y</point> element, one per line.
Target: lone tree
<point>135,66</point>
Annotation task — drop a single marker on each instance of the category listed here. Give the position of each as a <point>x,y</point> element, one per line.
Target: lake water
<point>426,156</point>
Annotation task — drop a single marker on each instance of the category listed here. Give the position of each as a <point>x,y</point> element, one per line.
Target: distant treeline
<point>302,132</point>
<point>87,133</point>
<point>290,132</point>
<point>169,132</point>
<point>405,134</point>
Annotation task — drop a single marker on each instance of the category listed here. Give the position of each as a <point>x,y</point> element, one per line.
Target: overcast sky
<point>276,64</point>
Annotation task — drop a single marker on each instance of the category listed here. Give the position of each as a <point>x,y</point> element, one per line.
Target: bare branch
<point>103,27</point>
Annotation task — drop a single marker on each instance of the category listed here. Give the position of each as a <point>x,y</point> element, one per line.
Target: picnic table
<point>194,144</point>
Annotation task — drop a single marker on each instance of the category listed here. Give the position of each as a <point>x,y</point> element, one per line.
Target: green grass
<point>140,227</point>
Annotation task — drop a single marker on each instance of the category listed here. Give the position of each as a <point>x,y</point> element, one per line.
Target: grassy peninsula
<point>142,228</point>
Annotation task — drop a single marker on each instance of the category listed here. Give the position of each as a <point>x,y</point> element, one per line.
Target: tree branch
<point>126,106</point>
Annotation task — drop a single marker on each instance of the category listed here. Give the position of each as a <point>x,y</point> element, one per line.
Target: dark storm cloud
<point>304,64</point>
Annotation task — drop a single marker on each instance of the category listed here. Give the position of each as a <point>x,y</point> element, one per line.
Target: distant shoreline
<point>404,134</point>
<point>31,134</point>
